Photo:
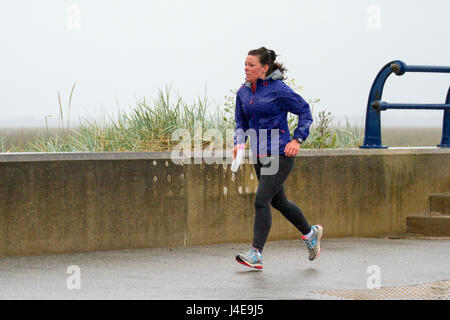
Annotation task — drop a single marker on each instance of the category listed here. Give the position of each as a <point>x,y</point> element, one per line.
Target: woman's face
<point>254,69</point>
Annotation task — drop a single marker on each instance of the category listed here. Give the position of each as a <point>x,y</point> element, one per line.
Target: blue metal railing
<point>372,134</point>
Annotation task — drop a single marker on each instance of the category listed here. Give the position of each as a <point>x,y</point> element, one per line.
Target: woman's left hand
<point>292,148</point>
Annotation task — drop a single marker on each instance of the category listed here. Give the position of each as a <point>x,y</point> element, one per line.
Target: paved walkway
<point>210,272</point>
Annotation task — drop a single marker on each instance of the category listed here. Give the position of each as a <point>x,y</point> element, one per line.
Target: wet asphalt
<point>210,272</point>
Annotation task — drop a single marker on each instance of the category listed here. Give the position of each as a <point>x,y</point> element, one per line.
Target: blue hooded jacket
<point>267,109</point>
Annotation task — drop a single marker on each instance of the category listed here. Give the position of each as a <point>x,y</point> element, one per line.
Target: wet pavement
<point>210,272</point>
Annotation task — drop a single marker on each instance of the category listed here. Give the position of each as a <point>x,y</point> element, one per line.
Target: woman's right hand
<point>235,149</point>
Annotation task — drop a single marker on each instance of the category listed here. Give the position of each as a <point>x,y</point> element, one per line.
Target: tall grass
<point>150,124</point>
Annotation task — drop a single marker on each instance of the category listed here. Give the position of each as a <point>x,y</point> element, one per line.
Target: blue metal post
<point>445,141</point>
<point>372,134</point>
<point>381,105</point>
<point>399,68</point>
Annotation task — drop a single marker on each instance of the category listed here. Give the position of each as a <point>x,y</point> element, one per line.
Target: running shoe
<point>252,259</point>
<point>313,242</point>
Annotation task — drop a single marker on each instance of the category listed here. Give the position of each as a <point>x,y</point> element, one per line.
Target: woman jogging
<point>262,103</point>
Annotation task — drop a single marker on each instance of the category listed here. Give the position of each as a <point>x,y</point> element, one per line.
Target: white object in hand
<point>239,155</point>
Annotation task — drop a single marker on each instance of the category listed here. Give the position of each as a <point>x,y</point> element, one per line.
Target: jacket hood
<point>276,75</point>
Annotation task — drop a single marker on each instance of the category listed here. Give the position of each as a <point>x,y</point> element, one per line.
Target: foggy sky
<point>120,51</point>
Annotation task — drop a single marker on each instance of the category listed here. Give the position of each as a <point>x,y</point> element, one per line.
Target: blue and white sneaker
<point>313,242</point>
<point>252,259</point>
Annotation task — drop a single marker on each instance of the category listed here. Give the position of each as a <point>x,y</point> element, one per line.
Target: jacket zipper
<point>254,117</point>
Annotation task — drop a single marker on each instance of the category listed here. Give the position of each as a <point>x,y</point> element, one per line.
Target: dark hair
<point>268,57</point>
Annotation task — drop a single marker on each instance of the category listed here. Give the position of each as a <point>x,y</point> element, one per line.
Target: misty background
<point>119,52</point>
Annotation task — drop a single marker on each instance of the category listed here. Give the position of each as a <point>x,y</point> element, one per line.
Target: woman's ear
<point>265,69</point>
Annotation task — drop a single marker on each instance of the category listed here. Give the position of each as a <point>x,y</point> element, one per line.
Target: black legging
<point>270,191</point>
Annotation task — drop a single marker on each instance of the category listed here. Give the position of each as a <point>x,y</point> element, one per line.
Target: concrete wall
<point>71,202</point>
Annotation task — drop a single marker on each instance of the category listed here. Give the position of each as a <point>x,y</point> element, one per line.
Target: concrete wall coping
<point>166,155</point>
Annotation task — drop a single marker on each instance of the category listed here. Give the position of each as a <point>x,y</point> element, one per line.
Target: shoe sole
<point>319,236</point>
<point>245,263</point>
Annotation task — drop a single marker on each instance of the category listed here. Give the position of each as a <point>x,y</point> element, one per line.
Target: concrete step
<point>440,203</point>
<point>434,225</point>
<point>409,235</point>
